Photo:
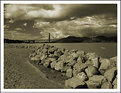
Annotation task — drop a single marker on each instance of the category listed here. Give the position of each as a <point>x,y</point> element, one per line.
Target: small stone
<point>91,70</point>
<point>106,85</point>
<point>110,74</point>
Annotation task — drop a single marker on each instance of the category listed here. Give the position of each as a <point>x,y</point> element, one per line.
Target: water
<point>106,50</point>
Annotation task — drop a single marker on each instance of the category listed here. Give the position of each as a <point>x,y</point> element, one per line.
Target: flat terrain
<point>20,74</point>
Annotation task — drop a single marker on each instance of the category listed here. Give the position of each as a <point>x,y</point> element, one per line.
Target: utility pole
<point>49,38</point>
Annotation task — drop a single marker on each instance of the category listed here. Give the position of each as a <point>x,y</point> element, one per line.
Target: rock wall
<point>84,70</point>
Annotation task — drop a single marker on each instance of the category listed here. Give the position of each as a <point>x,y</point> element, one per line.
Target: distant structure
<point>49,38</point>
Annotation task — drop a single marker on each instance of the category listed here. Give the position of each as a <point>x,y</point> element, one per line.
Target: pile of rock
<point>84,70</point>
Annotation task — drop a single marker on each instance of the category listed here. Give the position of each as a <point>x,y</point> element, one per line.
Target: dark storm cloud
<point>61,20</point>
<point>57,12</point>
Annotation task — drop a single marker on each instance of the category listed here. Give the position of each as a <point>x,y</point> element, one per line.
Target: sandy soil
<point>20,74</point>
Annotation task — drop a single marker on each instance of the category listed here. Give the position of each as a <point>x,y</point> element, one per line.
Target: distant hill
<point>70,39</point>
<point>73,39</point>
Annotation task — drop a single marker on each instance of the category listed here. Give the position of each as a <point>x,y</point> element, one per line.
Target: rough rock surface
<point>84,70</point>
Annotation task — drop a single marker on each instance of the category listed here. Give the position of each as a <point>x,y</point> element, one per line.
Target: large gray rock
<point>91,56</point>
<point>91,70</point>
<point>64,69</point>
<point>47,63</point>
<point>95,62</point>
<point>105,64</point>
<point>92,84</point>
<point>59,65</point>
<point>98,78</point>
<point>79,68</point>
<point>79,60</point>
<point>69,73</point>
<point>110,74</point>
<point>76,81</point>
<point>106,85</point>
<point>95,81</point>
<point>52,65</point>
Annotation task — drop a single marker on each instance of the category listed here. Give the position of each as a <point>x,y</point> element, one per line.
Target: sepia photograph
<point>60,45</point>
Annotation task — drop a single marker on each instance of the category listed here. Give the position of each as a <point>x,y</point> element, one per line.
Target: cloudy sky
<point>35,21</point>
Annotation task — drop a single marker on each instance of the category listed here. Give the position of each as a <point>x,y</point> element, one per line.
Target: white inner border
<point>59,2</point>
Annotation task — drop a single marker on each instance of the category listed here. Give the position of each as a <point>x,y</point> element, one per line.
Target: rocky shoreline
<point>83,70</point>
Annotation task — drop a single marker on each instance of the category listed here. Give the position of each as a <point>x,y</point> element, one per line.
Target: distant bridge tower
<point>49,38</point>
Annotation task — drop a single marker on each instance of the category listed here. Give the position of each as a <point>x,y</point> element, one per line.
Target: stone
<point>52,65</point>
<point>115,86</point>
<point>91,70</point>
<point>79,68</point>
<point>98,78</point>
<point>64,69</point>
<point>74,55</point>
<point>91,56</point>
<point>74,82</point>
<point>92,84</point>
<point>110,74</point>
<point>106,85</point>
<point>34,58</point>
<point>47,63</point>
<point>115,81</point>
<point>69,73</point>
<point>81,53</point>
<point>105,64</point>
<point>59,65</point>
<point>79,60</point>
<point>95,62</point>
<point>81,76</point>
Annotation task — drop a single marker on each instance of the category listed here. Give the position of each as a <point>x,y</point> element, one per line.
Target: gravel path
<point>20,74</point>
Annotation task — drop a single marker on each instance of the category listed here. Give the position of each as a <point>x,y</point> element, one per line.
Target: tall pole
<point>49,38</point>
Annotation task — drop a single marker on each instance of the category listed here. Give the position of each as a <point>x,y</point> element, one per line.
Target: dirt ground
<point>20,74</point>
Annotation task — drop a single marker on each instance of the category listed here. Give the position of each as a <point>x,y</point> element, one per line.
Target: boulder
<point>81,53</point>
<point>35,58</point>
<point>79,60</point>
<point>105,64</point>
<point>98,78</point>
<point>69,73</point>
<point>95,62</point>
<point>95,81</point>
<point>47,63</point>
<point>115,86</point>
<point>52,65</point>
<point>92,84</point>
<point>106,85</point>
<point>74,55</point>
<point>64,69</point>
<point>115,81</point>
<point>79,68</point>
<point>91,56</point>
<point>59,65</point>
<point>76,81</point>
<point>110,74</point>
<point>81,76</point>
<point>91,70</point>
